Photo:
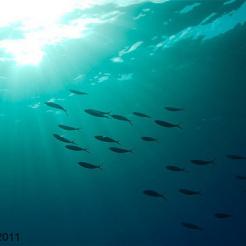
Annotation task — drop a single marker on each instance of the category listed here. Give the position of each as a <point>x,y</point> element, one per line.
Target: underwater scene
<point>122,123</point>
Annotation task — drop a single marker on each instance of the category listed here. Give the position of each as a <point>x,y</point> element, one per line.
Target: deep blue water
<point>152,55</point>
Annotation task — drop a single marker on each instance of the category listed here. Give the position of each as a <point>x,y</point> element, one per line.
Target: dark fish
<point>106,139</point>
<point>120,117</point>
<point>120,150</point>
<point>88,165</point>
<point>236,157</point>
<point>78,92</point>
<point>62,139</point>
<point>149,139</point>
<point>141,115</point>
<point>202,162</point>
<point>173,109</point>
<point>56,106</point>
<point>189,192</point>
<point>167,124</point>
<point>175,168</point>
<point>76,148</point>
<point>191,226</point>
<point>241,177</point>
<point>222,215</point>
<point>153,193</point>
<point>97,113</point>
<point>68,128</point>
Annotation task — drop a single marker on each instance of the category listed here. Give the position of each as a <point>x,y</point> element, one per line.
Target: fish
<point>191,226</point>
<point>189,192</point>
<point>76,148</point>
<point>167,124</point>
<point>78,92</point>
<point>173,109</point>
<point>62,139</point>
<point>202,162</point>
<point>175,168</point>
<point>236,157</point>
<point>106,139</point>
<point>89,165</point>
<point>120,150</point>
<point>153,193</point>
<point>149,139</point>
<point>141,115</point>
<point>222,215</point>
<point>120,117</point>
<point>68,128</point>
<point>97,113</point>
<point>241,177</point>
<point>56,106</point>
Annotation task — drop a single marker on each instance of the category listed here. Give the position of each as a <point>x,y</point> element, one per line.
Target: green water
<point>132,57</point>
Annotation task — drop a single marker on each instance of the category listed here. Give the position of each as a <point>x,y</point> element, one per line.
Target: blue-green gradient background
<point>50,200</point>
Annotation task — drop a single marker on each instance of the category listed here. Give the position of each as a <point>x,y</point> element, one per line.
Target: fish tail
<point>66,112</point>
<point>164,198</point>
<point>118,142</point>
<point>130,123</point>
<point>86,150</point>
<point>179,126</point>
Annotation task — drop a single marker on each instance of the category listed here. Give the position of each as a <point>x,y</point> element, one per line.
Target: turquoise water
<point>129,56</point>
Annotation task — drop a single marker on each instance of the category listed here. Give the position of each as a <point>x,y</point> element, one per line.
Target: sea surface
<point>90,65</point>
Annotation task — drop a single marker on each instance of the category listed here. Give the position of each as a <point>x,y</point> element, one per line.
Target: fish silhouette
<point>120,150</point>
<point>62,139</point>
<point>78,92</point>
<point>153,193</point>
<point>88,165</point>
<point>167,124</point>
<point>191,226</point>
<point>106,139</point>
<point>141,115</point>
<point>175,168</point>
<point>120,117</point>
<point>76,148</point>
<point>68,128</point>
<point>56,106</point>
<point>97,113</point>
